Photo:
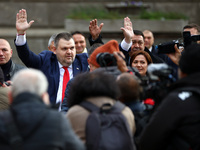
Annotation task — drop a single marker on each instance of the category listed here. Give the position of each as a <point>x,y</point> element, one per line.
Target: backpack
<point>107,128</point>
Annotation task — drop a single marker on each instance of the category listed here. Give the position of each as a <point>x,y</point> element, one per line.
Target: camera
<point>106,59</point>
<point>168,47</point>
<point>156,84</point>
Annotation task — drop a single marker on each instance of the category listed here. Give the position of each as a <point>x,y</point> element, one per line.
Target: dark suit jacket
<point>47,62</point>
<point>154,58</point>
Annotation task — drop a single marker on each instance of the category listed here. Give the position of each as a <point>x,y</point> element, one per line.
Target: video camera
<point>168,47</point>
<point>106,59</point>
<point>156,84</point>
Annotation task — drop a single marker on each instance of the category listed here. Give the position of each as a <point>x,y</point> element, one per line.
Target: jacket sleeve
<point>98,40</point>
<point>29,58</point>
<point>126,54</point>
<point>161,127</point>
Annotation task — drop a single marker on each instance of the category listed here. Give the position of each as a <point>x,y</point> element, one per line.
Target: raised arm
<point>21,22</point>
<point>94,29</point>
<point>29,58</point>
<point>127,30</point>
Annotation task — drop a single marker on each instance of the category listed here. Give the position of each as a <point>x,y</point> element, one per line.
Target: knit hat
<point>110,47</point>
<point>190,59</point>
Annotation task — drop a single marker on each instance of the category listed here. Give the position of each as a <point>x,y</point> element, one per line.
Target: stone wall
<point>49,16</point>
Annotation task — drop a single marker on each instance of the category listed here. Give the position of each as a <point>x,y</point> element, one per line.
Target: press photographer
<point>168,47</point>
<point>175,124</point>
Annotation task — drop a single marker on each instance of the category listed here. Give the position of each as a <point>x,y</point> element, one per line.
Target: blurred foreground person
<point>176,122</point>
<point>99,120</point>
<point>30,124</point>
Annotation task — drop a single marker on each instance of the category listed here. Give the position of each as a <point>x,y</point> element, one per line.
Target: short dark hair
<point>93,47</point>
<point>138,32</point>
<point>192,25</point>
<point>129,87</point>
<point>92,84</point>
<point>64,35</point>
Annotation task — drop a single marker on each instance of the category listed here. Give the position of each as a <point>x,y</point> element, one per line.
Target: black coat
<point>40,127</point>
<point>176,122</point>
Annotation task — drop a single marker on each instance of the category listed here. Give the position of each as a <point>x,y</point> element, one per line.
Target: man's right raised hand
<point>21,22</point>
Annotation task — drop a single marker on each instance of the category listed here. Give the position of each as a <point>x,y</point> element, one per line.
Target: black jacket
<point>154,58</point>
<point>10,68</point>
<point>176,122</point>
<point>40,127</point>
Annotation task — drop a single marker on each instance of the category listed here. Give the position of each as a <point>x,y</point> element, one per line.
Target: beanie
<point>110,47</point>
<point>190,59</point>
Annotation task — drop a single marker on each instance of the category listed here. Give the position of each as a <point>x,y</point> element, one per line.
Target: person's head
<point>51,42</point>
<point>190,60</point>
<point>90,51</point>
<point>5,51</point>
<point>65,48</point>
<point>80,42</point>
<point>110,47</point>
<point>140,60</point>
<point>193,28</point>
<point>93,84</point>
<point>129,87</point>
<point>137,41</point>
<point>29,80</point>
<point>148,38</point>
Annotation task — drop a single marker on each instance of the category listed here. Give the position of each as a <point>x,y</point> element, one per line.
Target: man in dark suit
<point>50,63</point>
<point>133,41</point>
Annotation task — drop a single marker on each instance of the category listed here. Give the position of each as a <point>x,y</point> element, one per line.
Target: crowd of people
<point>73,96</point>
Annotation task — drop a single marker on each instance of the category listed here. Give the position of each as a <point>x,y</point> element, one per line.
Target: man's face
<point>51,47</point>
<point>5,52</point>
<point>148,39</point>
<point>193,31</point>
<point>66,52</point>
<point>80,43</point>
<point>138,43</point>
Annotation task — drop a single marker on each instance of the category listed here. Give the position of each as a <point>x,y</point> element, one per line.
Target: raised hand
<point>175,57</point>
<point>21,22</point>
<point>121,63</point>
<point>94,29</point>
<point>127,30</point>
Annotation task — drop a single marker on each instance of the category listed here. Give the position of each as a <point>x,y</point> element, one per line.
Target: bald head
<point>5,51</point>
<point>148,38</point>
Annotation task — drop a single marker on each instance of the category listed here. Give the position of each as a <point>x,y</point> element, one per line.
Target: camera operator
<point>175,124</point>
<point>193,28</point>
